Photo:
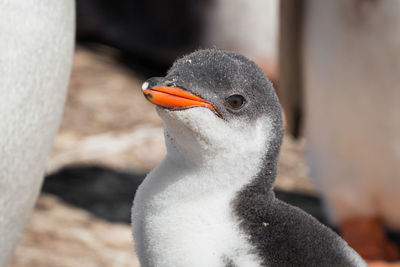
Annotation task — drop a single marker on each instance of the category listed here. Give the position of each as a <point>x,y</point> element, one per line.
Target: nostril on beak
<point>148,95</point>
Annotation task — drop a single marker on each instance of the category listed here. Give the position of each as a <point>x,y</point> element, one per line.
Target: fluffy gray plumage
<point>280,234</point>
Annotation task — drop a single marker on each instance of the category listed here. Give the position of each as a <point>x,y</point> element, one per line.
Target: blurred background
<point>314,53</point>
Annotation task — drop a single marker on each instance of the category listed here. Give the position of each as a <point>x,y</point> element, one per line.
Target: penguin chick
<point>210,201</point>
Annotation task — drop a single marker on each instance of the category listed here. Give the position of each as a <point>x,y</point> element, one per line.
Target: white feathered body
<point>36,48</point>
<point>351,75</point>
<point>182,213</point>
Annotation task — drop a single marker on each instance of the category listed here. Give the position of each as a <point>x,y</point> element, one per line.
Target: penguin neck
<point>220,163</point>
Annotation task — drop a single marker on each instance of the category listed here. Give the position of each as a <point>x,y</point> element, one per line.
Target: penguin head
<point>215,97</point>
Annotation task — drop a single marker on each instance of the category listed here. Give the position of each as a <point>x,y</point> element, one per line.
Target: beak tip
<point>145,85</point>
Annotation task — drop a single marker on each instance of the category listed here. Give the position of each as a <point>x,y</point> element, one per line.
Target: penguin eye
<point>235,101</point>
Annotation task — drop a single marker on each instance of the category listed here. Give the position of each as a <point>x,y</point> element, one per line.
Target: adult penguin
<point>351,66</point>
<point>36,49</point>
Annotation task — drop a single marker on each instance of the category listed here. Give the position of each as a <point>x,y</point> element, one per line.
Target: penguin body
<point>37,45</point>
<point>210,201</point>
<point>352,95</point>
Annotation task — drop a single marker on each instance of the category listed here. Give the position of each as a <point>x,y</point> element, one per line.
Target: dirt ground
<point>108,122</point>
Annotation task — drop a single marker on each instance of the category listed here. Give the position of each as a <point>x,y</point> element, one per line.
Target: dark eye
<point>235,101</point>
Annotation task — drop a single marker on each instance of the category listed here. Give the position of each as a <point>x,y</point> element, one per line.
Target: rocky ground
<point>107,122</point>
<point>62,236</point>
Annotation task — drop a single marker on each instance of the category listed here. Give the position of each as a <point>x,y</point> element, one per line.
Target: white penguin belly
<point>200,231</point>
<point>182,214</point>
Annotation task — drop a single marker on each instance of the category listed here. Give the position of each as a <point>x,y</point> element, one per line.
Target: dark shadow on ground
<point>149,35</point>
<point>102,191</point>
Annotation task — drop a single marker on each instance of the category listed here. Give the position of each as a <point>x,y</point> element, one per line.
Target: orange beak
<point>175,98</point>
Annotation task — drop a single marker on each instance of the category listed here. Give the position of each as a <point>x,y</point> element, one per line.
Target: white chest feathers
<point>199,232</point>
<point>182,213</point>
